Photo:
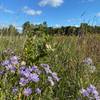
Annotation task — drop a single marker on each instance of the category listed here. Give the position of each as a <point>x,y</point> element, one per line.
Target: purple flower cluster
<point>10,64</point>
<point>90,66</point>
<point>27,91</point>
<point>14,60</point>
<point>52,76</point>
<point>28,75</point>
<point>90,91</point>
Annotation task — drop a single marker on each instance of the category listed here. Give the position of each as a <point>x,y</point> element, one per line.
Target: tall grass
<point>65,55</point>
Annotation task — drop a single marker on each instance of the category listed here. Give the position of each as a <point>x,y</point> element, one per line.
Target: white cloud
<point>5,10</point>
<point>98,14</point>
<point>57,26</point>
<point>76,25</point>
<point>53,3</point>
<point>19,28</point>
<point>73,20</point>
<point>31,12</point>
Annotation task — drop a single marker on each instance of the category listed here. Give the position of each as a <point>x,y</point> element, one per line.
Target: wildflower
<point>38,71</point>
<point>88,61</point>
<point>95,93</point>
<point>34,77</point>
<point>84,92</point>
<point>46,68</point>
<point>51,80</point>
<point>97,98</point>
<point>27,91</point>
<point>23,81</point>
<point>23,63</point>
<point>22,68</point>
<point>13,69</point>
<point>34,68</point>
<point>1,72</point>
<point>92,68</point>
<point>5,63</point>
<point>91,88</point>
<point>14,60</point>
<point>25,72</point>
<point>30,69</point>
<point>45,65</point>
<point>54,75</point>
<point>38,90</point>
<point>8,67</point>
<point>14,89</point>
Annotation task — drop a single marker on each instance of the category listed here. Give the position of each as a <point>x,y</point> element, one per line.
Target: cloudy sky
<point>55,12</point>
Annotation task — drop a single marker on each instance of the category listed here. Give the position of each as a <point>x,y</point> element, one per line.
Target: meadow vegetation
<point>50,67</point>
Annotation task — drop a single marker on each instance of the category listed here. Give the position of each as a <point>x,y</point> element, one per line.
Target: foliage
<point>40,29</point>
<point>74,59</point>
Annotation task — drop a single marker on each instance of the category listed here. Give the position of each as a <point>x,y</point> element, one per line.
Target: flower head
<point>23,81</point>
<point>91,92</point>
<point>25,72</point>
<point>46,68</point>
<point>23,63</point>
<point>5,63</point>
<point>51,80</point>
<point>1,72</point>
<point>34,77</point>
<point>14,60</point>
<point>84,92</point>
<point>97,98</point>
<point>34,68</point>
<point>54,75</point>
<point>38,90</point>
<point>14,89</point>
<point>13,69</point>
<point>27,91</point>
<point>95,93</point>
<point>92,68</point>
<point>88,61</point>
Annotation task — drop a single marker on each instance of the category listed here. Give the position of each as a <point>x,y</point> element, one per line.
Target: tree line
<point>39,29</point>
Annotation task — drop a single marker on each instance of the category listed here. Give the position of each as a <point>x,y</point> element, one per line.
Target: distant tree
<point>97,29</point>
<point>4,31</point>
<point>26,27</point>
<point>12,30</point>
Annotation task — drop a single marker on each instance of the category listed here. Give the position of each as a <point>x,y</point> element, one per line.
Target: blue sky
<point>55,12</point>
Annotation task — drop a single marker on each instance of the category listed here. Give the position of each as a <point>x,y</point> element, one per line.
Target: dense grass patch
<point>66,55</point>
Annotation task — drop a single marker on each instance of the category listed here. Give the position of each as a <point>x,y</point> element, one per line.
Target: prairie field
<point>74,59</point>
<point>49,50</point>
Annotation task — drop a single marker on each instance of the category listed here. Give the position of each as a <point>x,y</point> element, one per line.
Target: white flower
<point>92,68</point>
<point>88,61</point>
<point>51,80</point>
<point>23,63</point>
<point>84,92</point>
<point>54,75</point>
